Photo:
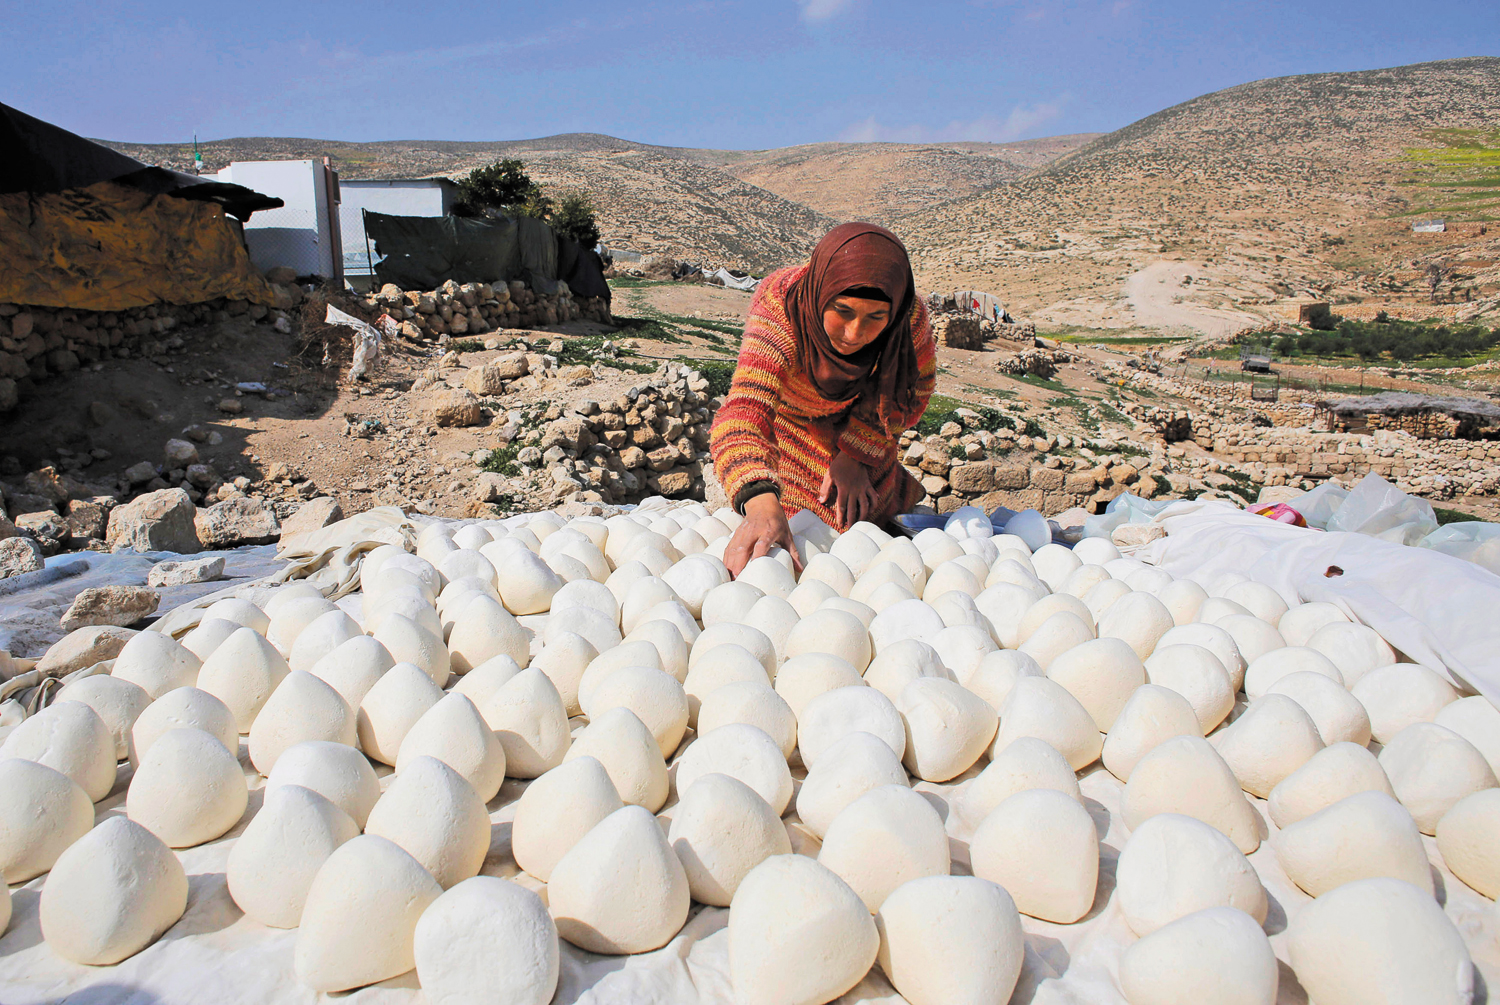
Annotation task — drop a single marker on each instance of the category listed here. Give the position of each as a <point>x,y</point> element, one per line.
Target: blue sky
<point>712,73</point>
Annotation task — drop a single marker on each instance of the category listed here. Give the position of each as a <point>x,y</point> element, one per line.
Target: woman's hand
<point>847,489</point>
<point>763,528</point>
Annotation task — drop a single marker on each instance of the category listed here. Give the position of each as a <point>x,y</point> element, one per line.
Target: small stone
<point>231,406</point>
<point>180,454</point>
<point>235,522</point>
<point>202,570</point>
<point>140,474</point>
<point>19,555</point>
<point>157,521</point>
<point>315,514</point>
<point>110,605</point>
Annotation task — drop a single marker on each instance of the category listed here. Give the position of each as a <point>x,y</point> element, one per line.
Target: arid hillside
<point>1281,178</point>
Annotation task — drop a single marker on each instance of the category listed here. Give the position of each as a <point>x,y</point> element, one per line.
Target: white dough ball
<point>157,663</point>
<point>117,702</point>
<point>409,642</point>
<point>754,704</point>
<point>67,736</point>
<point>1362,836</point>
<point>188,788</point>
<point>1354,649</point>
<point>1217,641</point>
<point>335,771</point>
<point>803,678</point>
<point>1338,714</point>
<point>111,894</point>
<point>455,733</point>
<point>1153,715</point>
<point>1138,618</point>
<point>831,631</point>
<point>1336,772</point>
<point>622,743</point>
<point>951,939</point>
<point>855,764</point>
<point>1096,550</point>
<point>1270,740</point>
<point>46,811</point>
<point>361,915</point>
<point>1252,636</point>
<point>901,663</point>
<point>241,612</point>
<point>434,815</point>
<point>323,636</point>
<point>1379,940</point>
<point>210,634</point>
<point>1057,635</point>
<point>1044,709</point>
<point>301,708</point>
<point>721,829</point>
<point>1265,670</point>
<point>1398,695</point>
<point>487,939</point>
<point>742,752</point>
<point>1182,598</point>
<point>834,714</point>
<point>1040,844</point>
<point>529,720</point>
<point>183,708</point>
<point>948,727</point>
<point>621,888</point>
<point>886,837</point>
<point>1054,563</point>
<point>401,696</point>
<point>797,932</point>
<point>1219,955</point>
<point>1186,775</point>
<point>1478,721</point>
<point>1083,579</point>
<point>272,864</point>
<point>1466,838</point>
<point>242,672</point>
<point>1103,595</point>
<point>557,810</point>
<point>1197,675</point>
<point>1259,599</point>
<point>1027,763</point>
<point>1431,768</point>
<point>1174,865</point>
<point>1217,607</point>
<point>998,672</point>
<point>1102,674</point>
<point>1301,622</point>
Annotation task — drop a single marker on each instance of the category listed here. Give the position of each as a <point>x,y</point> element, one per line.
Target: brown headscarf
<point>851,256</point>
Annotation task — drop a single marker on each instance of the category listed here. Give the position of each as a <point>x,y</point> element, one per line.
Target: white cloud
<point>1021,120</point>
<point>823,10</point>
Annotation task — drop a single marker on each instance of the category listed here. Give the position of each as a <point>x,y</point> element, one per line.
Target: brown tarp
<point>109,246</point>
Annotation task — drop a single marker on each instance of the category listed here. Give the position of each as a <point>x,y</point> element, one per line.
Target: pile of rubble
<point>1038,362</point>
<point>461,309</point>
<point>651,439</point>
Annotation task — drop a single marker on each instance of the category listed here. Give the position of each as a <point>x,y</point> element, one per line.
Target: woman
<point>837,360</point>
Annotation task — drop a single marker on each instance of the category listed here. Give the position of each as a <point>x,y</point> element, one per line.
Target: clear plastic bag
<point>1319,505</point>
<point>1123,509</point>
<point>1473,541</point>
<point>1379,509</point>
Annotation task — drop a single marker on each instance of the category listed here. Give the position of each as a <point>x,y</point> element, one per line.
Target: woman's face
<point>853,322</point>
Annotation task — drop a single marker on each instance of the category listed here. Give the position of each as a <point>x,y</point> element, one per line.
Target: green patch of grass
<point>631,283</point>
<point>502,461</point>
<point>649,328</point>
<point>1145,340</point>
<point>995,392</point>
<point>1108,411</point>
<point>466,345</point>
<point>1447,516</point>
<point>1163,487</point>
<point>1035,381</point>
<point>589,349</point>
<point>941,409</point>
<point>718,373</point>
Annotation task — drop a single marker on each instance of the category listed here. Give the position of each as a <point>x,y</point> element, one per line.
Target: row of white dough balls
<point>695,651</point>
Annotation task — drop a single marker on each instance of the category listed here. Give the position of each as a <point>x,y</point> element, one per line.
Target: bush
<point>574,217</point>
<point>501,186</point>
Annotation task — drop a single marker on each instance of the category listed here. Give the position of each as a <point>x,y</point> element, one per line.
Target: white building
<point>303,234</point>
<point>394,197</point>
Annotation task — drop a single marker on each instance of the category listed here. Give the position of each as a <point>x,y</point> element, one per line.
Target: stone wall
<point>958,331</point>
<point>459,310</point>
<point>41,342</point>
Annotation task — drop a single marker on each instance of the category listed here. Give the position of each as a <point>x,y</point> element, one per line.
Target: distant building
<point>304,233</point>
<point>1428,226</point>
<point>394,197</point>
<point>1301,312</point>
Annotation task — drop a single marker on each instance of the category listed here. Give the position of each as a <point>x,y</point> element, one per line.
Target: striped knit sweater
<point>767,428</point>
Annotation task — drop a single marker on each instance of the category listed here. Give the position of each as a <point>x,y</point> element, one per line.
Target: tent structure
<point>86,227</point>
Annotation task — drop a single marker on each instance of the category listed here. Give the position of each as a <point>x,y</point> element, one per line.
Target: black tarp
<point>423,252</point>
<point>581,268</point>
<point>36,156</point>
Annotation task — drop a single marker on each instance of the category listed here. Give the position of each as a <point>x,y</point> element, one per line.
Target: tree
<point>575,217</point>
<point>1436,273</point>
<point>496,188</point>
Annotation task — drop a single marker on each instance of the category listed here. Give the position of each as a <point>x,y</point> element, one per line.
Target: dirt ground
<point>302,422</point>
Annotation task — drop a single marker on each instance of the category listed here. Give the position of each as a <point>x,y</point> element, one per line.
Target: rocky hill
<point>1271,173</point>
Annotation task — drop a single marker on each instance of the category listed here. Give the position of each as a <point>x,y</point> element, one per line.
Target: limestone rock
<point>120,606</point>
<point>155,521</point>
<point>235,522</point>
<point>19,555</point>
<point>200,570</point>
<point>83,648</point>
